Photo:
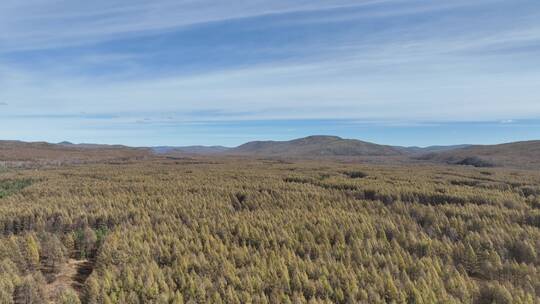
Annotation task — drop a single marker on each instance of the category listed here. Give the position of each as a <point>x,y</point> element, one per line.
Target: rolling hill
<point>525,154</point>
<point>430,149</point>
<point>18,153</point>
<point>315,146</point>
<point>201,150</point>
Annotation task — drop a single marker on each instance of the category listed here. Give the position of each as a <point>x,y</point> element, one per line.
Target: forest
<point>231,230</point>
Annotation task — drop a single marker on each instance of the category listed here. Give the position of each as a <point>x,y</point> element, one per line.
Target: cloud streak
<point>37,24</point>
<point>104,20</point>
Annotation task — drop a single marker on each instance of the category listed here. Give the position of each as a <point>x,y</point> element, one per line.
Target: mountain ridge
<point>316,145</point>
<point>522,154</point>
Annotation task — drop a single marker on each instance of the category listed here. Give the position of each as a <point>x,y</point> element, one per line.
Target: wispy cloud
<point>38,24</point>
<point>106,20</point>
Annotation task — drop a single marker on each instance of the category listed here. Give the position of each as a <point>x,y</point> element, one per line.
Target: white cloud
<point>34,24</point>
<point>322,89</point>
<point>409,71</point>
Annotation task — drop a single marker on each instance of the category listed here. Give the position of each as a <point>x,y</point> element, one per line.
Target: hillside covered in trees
<point>221,230</point>
<point>30,154</point>
<point>525,155</point>
<point>517,155</point>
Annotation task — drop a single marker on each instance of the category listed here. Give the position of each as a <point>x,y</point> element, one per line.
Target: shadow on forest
<point>83,269</point>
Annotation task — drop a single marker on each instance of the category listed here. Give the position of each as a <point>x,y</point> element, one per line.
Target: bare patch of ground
<point>72,275</point>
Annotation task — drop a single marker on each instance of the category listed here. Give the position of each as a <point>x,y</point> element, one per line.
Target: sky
<point>214,72</point>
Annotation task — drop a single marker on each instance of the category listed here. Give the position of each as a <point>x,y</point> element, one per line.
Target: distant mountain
<point>18,153</point>
<point>316,146</point>
<point>430,149</point>
<point>525,154</point>
<point>206,150</point>
<point>518,154</point>
<point>68,144</point>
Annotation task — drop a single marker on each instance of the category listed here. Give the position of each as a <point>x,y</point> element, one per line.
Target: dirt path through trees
<point>72,275</point>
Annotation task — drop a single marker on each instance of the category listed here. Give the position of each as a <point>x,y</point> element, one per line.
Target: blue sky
<point>183,72</point>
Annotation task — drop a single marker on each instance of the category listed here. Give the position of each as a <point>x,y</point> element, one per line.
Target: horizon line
<point>69,142</point>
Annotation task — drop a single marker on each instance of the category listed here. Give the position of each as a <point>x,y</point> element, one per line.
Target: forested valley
<point>229,230</point>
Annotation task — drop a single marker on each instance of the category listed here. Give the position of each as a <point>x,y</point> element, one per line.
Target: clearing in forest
<point>71,276</point>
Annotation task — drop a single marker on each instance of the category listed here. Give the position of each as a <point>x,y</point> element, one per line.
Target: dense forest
<point>221,230</point>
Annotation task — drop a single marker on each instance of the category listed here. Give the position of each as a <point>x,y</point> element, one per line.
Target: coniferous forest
<point>225,230</point>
